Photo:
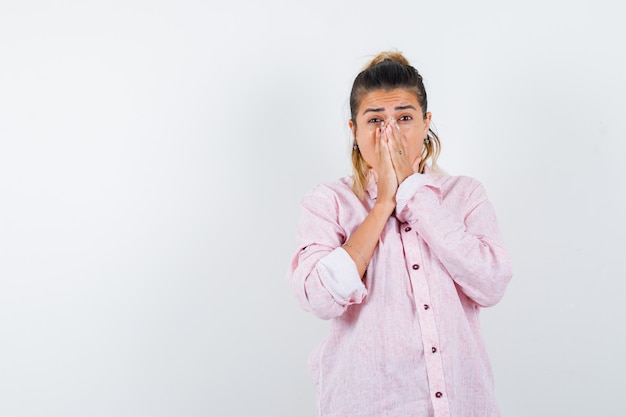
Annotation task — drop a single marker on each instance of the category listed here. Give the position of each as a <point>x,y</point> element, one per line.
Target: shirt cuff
<point>340,277</point>
<point>407,189</point>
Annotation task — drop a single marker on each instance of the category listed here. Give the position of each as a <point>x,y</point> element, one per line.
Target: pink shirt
<point>405,341</point>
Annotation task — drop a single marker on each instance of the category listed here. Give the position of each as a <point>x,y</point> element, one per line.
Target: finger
<point>402,165</point>
<point>385,154</point>
<point>393,136</point>
<point>381,138</point>
<point>381,149</point>
<point>397,136</point>
<point>397,151</point>
<point>387,136</point>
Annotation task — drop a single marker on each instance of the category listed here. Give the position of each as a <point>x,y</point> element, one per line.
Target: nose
<point>392,121</point>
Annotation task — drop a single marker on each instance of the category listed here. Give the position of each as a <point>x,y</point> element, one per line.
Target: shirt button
<point>438,394</point>
<point>426,306</point>
<point>416,267</point>
<point>407,229</point>
<point>434,349</point>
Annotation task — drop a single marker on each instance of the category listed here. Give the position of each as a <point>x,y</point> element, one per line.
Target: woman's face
<point>385,106</point>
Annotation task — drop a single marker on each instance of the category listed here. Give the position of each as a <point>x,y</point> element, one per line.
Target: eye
<point>374,120</point>
<point>406,118</point>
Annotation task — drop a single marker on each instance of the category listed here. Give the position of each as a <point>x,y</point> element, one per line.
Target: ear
<point>427,120</point>
<point>352,127</point>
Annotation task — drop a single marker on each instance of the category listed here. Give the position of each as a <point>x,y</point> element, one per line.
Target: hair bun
<point>388,56</point>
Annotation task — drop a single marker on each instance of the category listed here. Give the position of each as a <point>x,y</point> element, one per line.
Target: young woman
<point>401,258</point>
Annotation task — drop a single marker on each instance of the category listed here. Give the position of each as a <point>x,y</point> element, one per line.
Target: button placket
<point>426,317</point>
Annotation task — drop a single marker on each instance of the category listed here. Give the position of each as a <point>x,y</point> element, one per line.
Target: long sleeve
<point>469,247</point>
<point>438,258</point>
<point>324,277</point>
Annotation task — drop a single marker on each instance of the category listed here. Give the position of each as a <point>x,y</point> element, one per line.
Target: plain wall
<point>153,155</point>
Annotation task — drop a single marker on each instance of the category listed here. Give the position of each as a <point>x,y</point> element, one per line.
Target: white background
<point>153,155</point>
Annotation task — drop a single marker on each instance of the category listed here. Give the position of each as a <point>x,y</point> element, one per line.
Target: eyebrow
<point>379,109</point>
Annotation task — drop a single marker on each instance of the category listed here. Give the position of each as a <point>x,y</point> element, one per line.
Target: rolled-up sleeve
<point>324,277</point>
<point>340,277</point>
<point>407,189</point>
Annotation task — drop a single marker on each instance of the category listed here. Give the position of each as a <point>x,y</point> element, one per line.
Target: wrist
<point>384,207</point>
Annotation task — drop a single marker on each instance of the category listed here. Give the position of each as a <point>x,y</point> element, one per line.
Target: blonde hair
<point>387,71</point>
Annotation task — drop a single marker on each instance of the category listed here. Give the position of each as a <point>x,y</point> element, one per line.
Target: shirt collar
<point>372,188</point>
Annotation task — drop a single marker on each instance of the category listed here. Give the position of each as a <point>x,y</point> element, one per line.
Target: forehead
<point>388,99</point>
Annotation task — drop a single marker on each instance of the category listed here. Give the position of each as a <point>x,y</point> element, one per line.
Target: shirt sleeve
<point>465,237</point>
<point>407,189</point>
<point>324,278</point>
<point>340,277</point>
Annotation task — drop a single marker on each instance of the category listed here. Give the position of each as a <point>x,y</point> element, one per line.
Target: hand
<point>402,165</point>
<point>387,181</point>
